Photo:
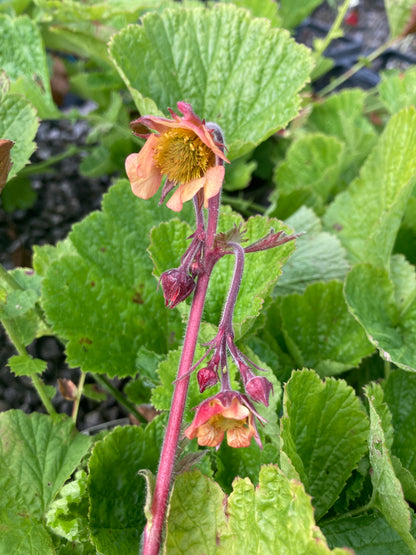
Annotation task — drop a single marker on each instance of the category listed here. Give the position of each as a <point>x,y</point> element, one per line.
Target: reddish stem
<point>154,527</point>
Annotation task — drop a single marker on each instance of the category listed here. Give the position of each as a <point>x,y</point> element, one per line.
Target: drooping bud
<point>177,285</point>
<point>259,388</point>
<point>207,377</point>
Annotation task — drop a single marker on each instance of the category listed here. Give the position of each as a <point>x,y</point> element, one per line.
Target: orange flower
<point>184,150</point>
<point>227,412</point>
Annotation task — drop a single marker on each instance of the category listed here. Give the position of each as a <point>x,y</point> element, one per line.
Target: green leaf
<point>210,59</point>
<point>319,256</point>
<point>102,300</point>
<point>341,116</point>
<point>400,395</point>
<point>117,492</point>
<point>18,305</point>
<point>26,365</point>
<point>367,216</point>
<point>238,174</point>
<point>37,455</point>
<point>388,491</point>
<point>398,14</point>
<point>68,514</point>
<point>293,12</point>
<point>397,89</point>
<point>320,332</point>
<point>26,68</point>
<point>324,433</point>
<point>18,194</point>
<point>308,174</point>
<point>386,310</point>
<point>18,123</point>
<point>196,518</point>
<point>260,8</point>
<point>275,517</point>
<point>365,534</point>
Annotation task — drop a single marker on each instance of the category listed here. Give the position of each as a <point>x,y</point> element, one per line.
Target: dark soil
<point>65,197</point>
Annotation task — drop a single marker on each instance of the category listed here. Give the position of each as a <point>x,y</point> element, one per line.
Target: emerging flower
<point>227,412</point>
<point>177,285</point>
<point>184,150</point>
<point>207,377</point>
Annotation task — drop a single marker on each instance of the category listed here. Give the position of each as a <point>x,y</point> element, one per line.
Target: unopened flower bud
<point>259,388</point>
<point>207,377</point>
<point>177,285</point>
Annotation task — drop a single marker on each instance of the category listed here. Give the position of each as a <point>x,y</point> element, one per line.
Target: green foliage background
<point>332,318</point>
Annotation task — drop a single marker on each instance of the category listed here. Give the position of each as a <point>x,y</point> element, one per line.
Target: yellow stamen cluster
<point>182,156</point>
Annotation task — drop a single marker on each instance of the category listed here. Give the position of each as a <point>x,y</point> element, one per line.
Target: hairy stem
<point>154,527</point>
<point>333,32</point>
<point>227,315</point>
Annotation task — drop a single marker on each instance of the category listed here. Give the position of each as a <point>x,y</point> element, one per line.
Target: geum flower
<point>184,150</point>
<point>228,412</point>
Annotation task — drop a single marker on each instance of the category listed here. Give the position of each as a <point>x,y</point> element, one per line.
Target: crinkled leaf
<point>365,534</point>
<point>341,115</point>
<point>372,298</point>
<point>37,455</point>
<point>389,494</point>
<point>320,332</point>
<point>400,395</point>
<point>397,89</point>
<point>18,123</point>
<point>308,174</point>
<point>406,237</point>
<point>406,478</point>
<point>210,59</point>
<point>398,15</point>
<point>26,68</point>
<point>68,514</point>
<point>319,256</point>
<point>103,299</point>
<point>196,519</point>
<point>275,517</point>
<point>26,365</point>
<point>324,433</point>
<point>367,216</point>
<point>116,490</point>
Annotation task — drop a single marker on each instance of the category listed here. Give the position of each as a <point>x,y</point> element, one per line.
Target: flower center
<point>219,422</point>
<point>182,156</point>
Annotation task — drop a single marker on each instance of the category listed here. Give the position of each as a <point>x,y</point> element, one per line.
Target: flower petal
<point>239,437</point>
<point>210,436</point>
<point>214,180</point>
<point>145,178</point>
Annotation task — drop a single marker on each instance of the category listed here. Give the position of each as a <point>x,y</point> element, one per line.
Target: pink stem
<point>154,528</point>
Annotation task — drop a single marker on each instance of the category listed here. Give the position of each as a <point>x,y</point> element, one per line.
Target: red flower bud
<point>177,285</point>
<point>207,377</point>
<point>259,388</point>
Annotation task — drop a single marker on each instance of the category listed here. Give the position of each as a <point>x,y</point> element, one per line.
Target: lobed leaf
<point>324,433</point>
<point>37,455</point>
<point>397,89</point>
<point>99,294</point>
<point>210,59</point>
